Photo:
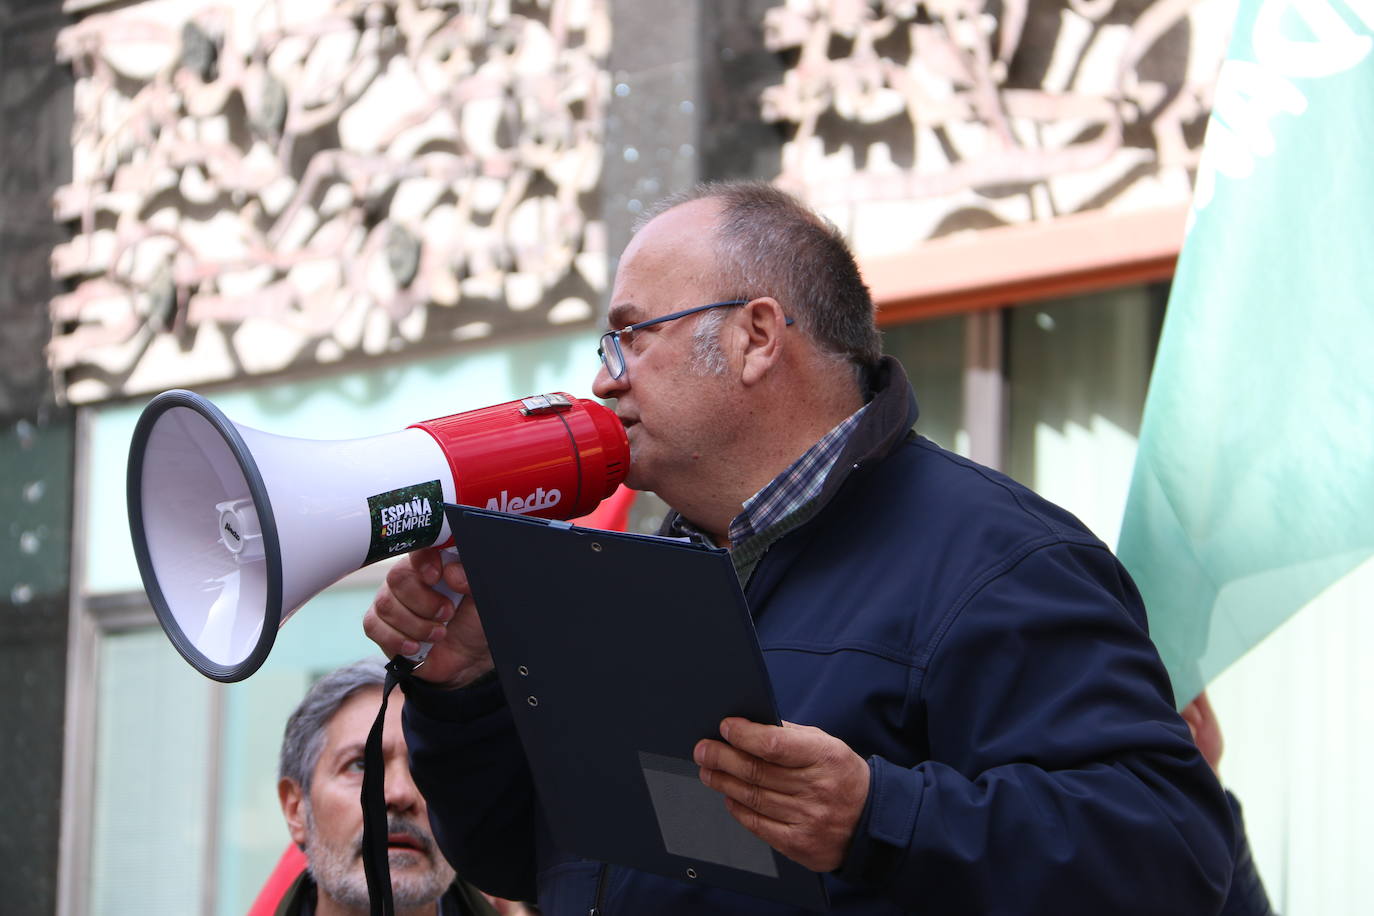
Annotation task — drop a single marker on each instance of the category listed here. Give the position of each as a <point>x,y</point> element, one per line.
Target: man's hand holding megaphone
<point>408,611</point>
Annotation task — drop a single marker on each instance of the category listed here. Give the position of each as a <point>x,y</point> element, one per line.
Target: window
<point>933,354</point>
<point>154,764</point>
<point>1077,372</point>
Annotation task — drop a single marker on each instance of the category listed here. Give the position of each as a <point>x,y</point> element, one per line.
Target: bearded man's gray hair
<point>304,737</point>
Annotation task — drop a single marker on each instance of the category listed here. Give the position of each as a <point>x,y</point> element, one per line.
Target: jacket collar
<point>891,414</point>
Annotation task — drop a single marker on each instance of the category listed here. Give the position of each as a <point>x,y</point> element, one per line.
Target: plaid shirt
<point>778,507</point>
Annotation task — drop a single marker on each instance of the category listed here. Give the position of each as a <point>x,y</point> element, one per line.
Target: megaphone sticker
<point>405,518</point>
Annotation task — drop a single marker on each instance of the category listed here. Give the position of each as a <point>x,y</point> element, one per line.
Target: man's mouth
<point>402,836</point>
<point>403,842</point>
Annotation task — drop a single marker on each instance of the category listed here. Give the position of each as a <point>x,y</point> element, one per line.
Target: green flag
<point>1253,489</point>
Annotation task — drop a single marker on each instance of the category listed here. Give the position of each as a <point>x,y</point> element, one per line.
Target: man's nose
<point>401,792</point>
<point>603,386</point>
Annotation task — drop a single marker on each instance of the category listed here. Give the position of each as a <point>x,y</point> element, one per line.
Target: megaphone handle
<point>447,555</point>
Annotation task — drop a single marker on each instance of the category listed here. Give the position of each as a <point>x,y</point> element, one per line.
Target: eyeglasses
<point>613,358</point>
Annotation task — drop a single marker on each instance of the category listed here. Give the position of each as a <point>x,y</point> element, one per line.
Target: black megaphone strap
<point>376,863</point>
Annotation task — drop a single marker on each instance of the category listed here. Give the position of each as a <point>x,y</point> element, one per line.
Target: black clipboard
<point>617,653</point>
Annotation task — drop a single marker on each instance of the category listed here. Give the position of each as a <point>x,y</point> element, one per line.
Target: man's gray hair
<point>769,243</point>
<point>303,740</point>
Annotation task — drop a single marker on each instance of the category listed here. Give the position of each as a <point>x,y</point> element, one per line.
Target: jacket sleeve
<point>467,761</point>
<point>1059,779</point>
<point>1247,896</point>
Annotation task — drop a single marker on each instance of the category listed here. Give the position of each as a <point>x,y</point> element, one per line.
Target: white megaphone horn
<point>234,529</point>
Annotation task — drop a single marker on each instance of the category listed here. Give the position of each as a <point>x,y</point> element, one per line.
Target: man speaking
<point>977,721</point>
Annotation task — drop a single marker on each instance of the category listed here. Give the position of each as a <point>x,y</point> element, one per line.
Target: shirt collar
<point>794,487</point>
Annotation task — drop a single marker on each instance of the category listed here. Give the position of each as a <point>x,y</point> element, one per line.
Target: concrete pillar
<point>685,83</point>
<point>35,458</point>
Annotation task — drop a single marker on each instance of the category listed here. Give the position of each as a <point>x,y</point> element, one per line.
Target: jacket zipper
<point>600,890</point>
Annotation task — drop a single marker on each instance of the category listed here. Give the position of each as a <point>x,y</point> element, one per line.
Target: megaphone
<point>234,528</point>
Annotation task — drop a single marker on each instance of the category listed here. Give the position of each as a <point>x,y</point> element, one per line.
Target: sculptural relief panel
<point>262,185</point>
<point>911,120</point>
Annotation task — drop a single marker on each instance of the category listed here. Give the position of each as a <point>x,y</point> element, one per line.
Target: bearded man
<point>320,784</point>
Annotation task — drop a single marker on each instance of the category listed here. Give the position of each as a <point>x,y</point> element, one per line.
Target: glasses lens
<point>611,356</point>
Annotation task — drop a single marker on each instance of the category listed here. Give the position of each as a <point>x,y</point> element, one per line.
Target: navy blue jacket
<point>984,652</point>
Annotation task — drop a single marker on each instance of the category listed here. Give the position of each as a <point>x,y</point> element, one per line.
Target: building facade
<point>338,217</point>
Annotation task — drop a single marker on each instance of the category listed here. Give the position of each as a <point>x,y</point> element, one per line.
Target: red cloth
<point>288,869</point>
<point>614,512</point>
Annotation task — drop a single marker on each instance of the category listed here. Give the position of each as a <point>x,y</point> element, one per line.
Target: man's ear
<point>293,809</point>
<point>762,330</point>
